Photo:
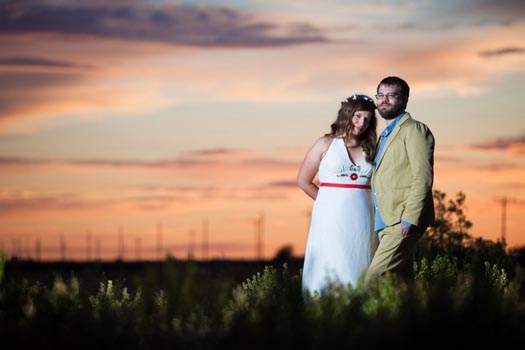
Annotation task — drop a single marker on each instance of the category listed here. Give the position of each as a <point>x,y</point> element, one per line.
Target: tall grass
<point>444,305</point>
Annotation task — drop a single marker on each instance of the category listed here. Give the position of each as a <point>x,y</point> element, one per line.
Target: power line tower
<point>138,248</point>
<point>159,241</point>
<point>88,246</point>
<point>259,236</point>
<point>504,201</point>
<point>38,249</point>
<point>191,245</point>
<point>120,254</point>
<point>205,231</point>
<point>27,248</point>
<point>98,250</point>
<point>63,248</point>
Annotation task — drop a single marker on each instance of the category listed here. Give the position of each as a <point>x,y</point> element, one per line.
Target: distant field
<point>236,270</point>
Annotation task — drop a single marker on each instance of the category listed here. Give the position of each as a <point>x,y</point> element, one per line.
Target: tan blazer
<point>404,175</point>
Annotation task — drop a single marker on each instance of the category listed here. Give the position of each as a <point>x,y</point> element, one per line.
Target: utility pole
<point>97,250</point>
<point>27,248</point>
<point>120,254</point>
<point>62,248</point>
<point>191,245</point>
<point>504,201</point>
<point>159,241</point>
<point>88,246</point>
<point>138,244</point>
<point>504,219</point>
<point>205,229</point>
<point>259,236</point>
<point>38,249</point>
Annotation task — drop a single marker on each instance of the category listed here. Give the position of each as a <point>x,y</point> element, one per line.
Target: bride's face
<point>361,121</point>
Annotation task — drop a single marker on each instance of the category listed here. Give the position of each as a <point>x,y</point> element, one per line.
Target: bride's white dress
<point>341,241</point>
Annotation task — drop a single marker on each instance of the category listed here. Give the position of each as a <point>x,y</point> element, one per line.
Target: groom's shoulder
<point>409,120</point>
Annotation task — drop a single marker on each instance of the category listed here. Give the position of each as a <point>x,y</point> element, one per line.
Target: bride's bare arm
<point>310,166</point>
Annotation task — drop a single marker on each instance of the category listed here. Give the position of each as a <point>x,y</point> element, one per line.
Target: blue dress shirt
<point>379,223</point>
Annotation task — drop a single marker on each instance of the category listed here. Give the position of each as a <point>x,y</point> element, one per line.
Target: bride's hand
<point>405,230</point>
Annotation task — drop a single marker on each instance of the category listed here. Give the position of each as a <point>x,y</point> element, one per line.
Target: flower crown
<point>355,98</point>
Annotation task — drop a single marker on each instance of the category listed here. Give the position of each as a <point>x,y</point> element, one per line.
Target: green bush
<point>444,303</point>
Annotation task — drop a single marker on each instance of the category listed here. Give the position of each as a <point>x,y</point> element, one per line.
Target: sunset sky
<point>173,119</point>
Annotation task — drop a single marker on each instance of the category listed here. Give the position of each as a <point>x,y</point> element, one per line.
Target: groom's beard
<point>390,110</point>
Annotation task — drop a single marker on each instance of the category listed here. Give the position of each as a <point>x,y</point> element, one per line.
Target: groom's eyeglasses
<point>355,98</point>
<point>390,96</point>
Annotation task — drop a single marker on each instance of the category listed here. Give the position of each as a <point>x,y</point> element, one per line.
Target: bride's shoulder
<point>325,140</point>
<point>323,143</point>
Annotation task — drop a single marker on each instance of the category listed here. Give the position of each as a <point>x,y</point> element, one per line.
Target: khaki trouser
<point>394,253</point>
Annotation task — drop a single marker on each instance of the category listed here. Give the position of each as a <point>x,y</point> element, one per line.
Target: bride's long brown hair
<point>343,126</point>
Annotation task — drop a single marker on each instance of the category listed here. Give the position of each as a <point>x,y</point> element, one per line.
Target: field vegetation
<point>463,291</point>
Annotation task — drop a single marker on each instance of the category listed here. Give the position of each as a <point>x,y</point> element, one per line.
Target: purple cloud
<point>503,52</point>
<point>26,61</point>
<point>283,184</point>
<point>179,24</point>
<point>35,202</point>
<point>503,144</point>
<point>23,89</point>
<point>451,14</point>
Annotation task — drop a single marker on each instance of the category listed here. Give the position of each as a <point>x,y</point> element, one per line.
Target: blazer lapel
<point>393,134</point>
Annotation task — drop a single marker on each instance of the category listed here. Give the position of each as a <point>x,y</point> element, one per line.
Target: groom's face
<point>390,103</point>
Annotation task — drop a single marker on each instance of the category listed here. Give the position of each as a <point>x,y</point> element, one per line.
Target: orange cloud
<point>510,144</point>
<point>231,205</point>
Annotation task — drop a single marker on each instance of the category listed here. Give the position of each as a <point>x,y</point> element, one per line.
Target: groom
<point>402,181</point>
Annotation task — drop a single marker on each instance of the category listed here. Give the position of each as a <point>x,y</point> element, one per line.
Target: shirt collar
<point>391,126</point>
